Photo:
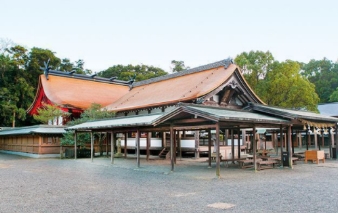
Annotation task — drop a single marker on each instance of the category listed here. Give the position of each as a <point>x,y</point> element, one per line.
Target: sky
<point>109,32</point>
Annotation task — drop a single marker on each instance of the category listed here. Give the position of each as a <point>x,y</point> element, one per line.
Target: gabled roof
<point>76,91</point>
<point>30,130</point>
<point>178,87</point>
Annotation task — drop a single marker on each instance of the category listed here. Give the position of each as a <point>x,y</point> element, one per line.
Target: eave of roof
<point>30,130</point>
<point>292,114</point>
<point>79,93</point>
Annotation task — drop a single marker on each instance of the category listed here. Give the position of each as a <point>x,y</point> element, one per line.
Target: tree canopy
<point>126,73</point>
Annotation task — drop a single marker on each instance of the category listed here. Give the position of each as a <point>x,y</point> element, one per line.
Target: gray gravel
<point>54,185</point>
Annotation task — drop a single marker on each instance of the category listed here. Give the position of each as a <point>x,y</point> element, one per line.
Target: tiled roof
<point>38,129</point>
<point>77,92</point>
<point>178,87</point>
<point>225,63</point>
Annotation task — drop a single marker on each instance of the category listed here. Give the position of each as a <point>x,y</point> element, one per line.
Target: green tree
<point>141,72</point>
<point>334,96</point>
<point>284,86</point>
<point>254,66</point>
<point>324,75</point>
<point>178,66</point>
<point>48,113</point>
<point>95,112</point>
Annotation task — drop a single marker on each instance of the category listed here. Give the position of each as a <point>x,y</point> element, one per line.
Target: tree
<point>48,113</point>
<point>254,66</point>
<point>178,66</point>
<point>324,75</point>
<point>284,86</point>
<point>334,96</point>
<point>141,72</point>
<point>94,112</point>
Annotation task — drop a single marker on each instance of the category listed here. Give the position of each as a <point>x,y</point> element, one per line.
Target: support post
<point>308,139</point>
<point>91,145</point>
<point>138,134</point>
<point>239,143</point>
<point>281,141</point>
<point>289,146</point>
<point>316,138</point>
<point>197,144</point>
<point>232,146</point>
<point>172,148</point>
<point>75,145</point>
<point>125,144</point>
<point>179,143</point>
<point>148,144</point>
<point>218,165</point>
<point>254,143</point>
<point>336,128</point>
<point>112,139</point>
<point>330,143</point>
<point>209,148</point>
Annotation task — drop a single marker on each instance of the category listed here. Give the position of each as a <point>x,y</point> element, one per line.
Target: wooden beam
<point>281,141</point>
<point>191,120</point>
<point>239,143</point>
<point>148,144</point>
<point>232,146</point>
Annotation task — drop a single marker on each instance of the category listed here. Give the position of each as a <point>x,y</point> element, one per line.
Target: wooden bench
<point>247,163</point>
<point>266,164</point>
<point>314,155</point>
<point>226,161</point>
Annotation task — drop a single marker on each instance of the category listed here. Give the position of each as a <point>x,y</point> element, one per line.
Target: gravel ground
<point>54,185</point>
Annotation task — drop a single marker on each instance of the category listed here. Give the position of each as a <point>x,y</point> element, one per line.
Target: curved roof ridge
<point>224,62</point>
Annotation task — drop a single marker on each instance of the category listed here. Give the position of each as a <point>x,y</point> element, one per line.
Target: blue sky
<point>104,33</point>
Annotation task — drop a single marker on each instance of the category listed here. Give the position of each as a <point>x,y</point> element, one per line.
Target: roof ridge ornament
<point>131,81</point>
<point>46,68</point>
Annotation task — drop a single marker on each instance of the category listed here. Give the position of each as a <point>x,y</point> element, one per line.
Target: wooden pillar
<point>164,143</point>
<point>172,148</point>
<point>91,145</point>
<point>330,143</point>
<point>315,135</point>
<point>175,145</point>
<point>281,141</point>
<point>179,143</point>
<point>232,145</point>
<point>308,138</point>
<point>254,143</point>
<point>125,144</point>
<point>239,143</point>
<point>138,134</point>
<point>107,145</point>
<point>336,128</point>
<point>322,131</point>
<point>300,142</point>
<point>218,163</point>
<point>112,139</point>
<point>148,144</point>
<point>75,145</point>
<point>292,140</point>
<point>289,146</point>
<point>197,144</point>
<point>209,148</point>
<point>244,138</point>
